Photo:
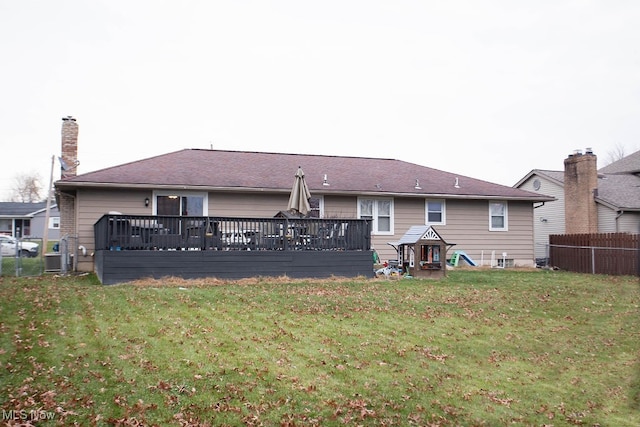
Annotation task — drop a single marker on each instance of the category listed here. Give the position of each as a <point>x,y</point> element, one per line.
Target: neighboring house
<point>588,200</point>
<point>28,219</point>
<point>548,217</point>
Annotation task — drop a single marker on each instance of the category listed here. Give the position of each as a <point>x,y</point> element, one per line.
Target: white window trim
<point>54,223</point>
<point>506,215</point>
<point>374,224</point>
<point>444,212</point>
<point>321,205</point>
<point>179,193</point>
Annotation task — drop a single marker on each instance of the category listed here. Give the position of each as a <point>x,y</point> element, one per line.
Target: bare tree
<point>27,188</point>
<point>615,154</point>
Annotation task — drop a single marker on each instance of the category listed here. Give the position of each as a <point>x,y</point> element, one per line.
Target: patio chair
<point>119,233</point>
<point>166,241</point>
<point>194,235</point>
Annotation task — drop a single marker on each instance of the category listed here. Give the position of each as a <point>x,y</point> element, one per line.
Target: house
<point>588,200</point>
<point>28,219</point>
<point>480,217</point>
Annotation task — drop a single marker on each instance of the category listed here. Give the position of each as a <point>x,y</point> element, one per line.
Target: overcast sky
<point>489,89</point>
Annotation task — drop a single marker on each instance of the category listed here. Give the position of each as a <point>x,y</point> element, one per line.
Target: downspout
<point>534,237</point>
<point>620,213</point>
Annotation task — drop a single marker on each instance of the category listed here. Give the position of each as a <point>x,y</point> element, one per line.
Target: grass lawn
<point>499,347</point>
<point>26,266</point>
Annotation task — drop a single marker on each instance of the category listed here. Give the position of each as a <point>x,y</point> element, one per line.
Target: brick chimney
<point>69,147</point>
<point>68,164</point>
<point>580,189</point>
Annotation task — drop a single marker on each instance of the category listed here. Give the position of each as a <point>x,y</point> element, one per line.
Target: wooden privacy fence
<point>601,253</point>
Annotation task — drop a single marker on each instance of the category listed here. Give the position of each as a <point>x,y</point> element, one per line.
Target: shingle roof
<point>219,169</point>
<point>628,164</point>
<point>621,191</point>
<point>18,209</point>
<point>557,176</point>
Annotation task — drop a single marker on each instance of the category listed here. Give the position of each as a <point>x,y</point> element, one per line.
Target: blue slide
<point>461,254</point>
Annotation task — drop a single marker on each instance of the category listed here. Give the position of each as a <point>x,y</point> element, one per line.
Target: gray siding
<point>629,222</point>
<point>609,221</point>
<point>548,218</point>
<point>606,219</point>
<point>37,225</point>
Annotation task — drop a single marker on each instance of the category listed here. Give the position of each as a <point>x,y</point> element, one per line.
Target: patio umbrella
<point>300,195</point>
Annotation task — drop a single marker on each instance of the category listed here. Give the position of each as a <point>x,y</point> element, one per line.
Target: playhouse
<point>422,252</point>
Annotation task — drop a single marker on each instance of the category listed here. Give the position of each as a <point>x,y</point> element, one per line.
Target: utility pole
<point>45,235</point>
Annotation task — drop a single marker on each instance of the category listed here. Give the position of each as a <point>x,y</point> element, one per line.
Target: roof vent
<point>417,187</point>
<point>324,181</point>
<point>457,183</point>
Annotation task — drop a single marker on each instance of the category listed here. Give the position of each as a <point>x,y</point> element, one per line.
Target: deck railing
<point>142,232</point>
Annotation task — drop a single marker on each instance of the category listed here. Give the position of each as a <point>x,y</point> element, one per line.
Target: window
<point>54,222</point>
<point>435,212</point>
<point>317,205</point>
<point>6,226</point>
<point>498,216</point>
<point>380,212</point>
<point>181,204</point>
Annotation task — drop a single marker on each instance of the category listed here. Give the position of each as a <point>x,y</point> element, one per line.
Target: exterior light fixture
<point>146,202</point>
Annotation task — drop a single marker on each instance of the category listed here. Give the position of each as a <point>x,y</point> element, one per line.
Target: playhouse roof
<point>419,232</point>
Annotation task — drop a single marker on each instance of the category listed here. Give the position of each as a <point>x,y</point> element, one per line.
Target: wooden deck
<point>132,247</point>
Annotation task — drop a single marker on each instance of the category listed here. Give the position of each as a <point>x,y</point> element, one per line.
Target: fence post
<point>593,260</point>
<point>18,255</point>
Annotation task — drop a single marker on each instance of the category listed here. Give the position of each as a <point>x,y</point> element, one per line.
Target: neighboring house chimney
<point>69,157</point>
<point>580,189</point>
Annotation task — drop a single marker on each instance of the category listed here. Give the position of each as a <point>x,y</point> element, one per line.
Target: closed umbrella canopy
<point>300,195</point>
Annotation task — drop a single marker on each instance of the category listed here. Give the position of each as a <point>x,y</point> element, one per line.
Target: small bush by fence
<point>601,253</point>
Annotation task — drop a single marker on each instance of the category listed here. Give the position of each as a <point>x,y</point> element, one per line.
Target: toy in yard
<point>389,269</point>
<point>461,255</point>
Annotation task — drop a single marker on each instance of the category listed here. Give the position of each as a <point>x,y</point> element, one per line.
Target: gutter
<point>62,186</point>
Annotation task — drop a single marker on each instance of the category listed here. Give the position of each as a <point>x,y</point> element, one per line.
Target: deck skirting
<point>114,267</point>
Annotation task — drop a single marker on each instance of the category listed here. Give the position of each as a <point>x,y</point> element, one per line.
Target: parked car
<point>9,245</point>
